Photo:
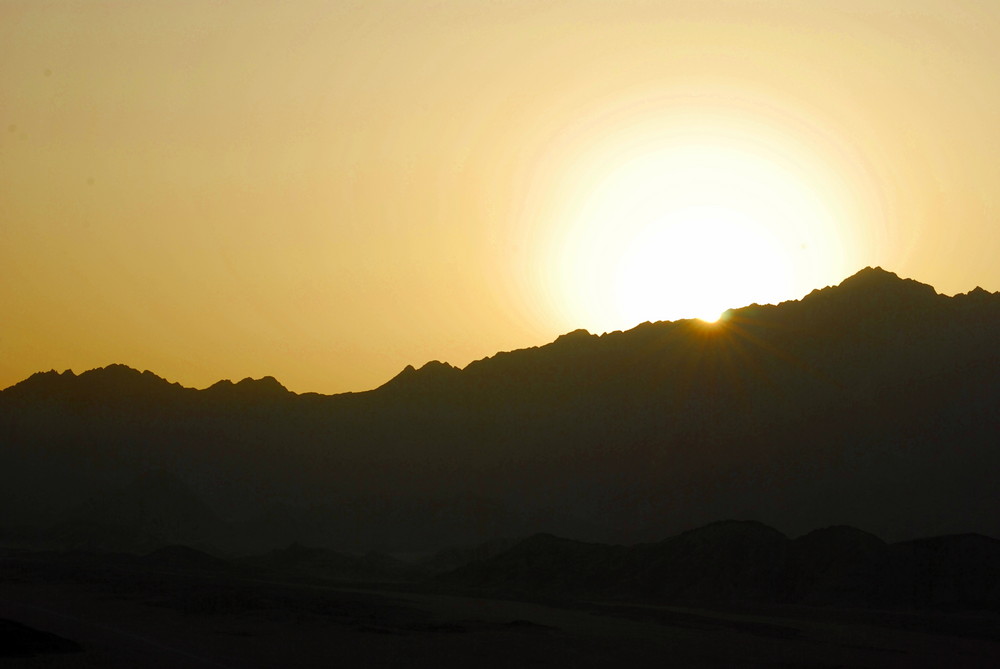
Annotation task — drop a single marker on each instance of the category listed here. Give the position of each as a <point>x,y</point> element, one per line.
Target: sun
<point>676,230</point>
<point>696,262</point>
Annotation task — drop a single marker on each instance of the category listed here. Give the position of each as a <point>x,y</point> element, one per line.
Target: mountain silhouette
<point>872,404</point>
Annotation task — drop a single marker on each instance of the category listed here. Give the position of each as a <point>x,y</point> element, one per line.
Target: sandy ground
<point>183,622</point>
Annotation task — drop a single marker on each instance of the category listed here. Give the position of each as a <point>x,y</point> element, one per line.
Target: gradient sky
<point>327,191</point>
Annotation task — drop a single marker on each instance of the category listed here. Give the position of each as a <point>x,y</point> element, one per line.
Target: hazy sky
<point>328,191</point>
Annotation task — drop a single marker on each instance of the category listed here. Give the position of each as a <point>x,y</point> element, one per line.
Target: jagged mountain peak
<point>265,383</point>
<point>876,279</point>
<point>435,367</point>
<point>578,335</point>
<point>873,274</point>
<point>432,373</point>
<point>113,380</point>
<point>46,378</point>
<point>977,295</point>
<point>871,292</point>
<point>266,386</point>
<point>116,373</point>
<point>874,285</point>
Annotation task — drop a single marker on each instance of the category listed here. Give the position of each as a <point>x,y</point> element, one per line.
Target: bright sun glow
<point>687,231</point>
<point>688,261</point>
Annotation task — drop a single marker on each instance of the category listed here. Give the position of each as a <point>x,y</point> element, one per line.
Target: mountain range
<point>874,403</point>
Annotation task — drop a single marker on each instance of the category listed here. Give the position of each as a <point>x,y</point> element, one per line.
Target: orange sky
<point>328,191</point>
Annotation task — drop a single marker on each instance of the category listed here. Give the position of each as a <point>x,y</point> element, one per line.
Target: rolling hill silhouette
<point>746,561</point>
<point>872,404</point>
